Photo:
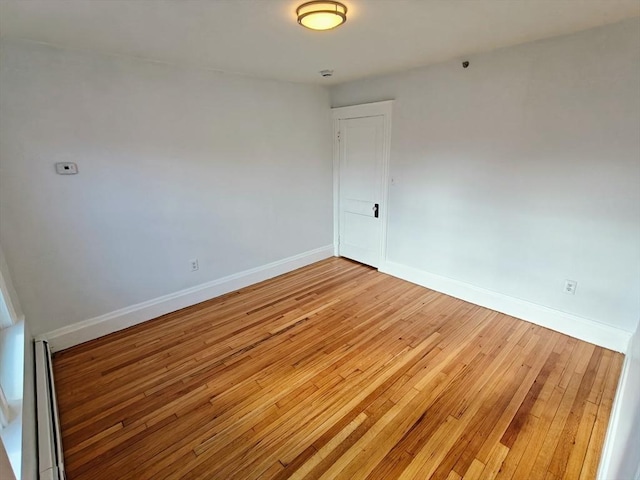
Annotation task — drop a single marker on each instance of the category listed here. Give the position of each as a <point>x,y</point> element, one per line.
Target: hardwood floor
<point>335,371</point>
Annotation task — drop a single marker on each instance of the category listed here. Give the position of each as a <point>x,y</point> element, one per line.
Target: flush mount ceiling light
<point>320,15</point>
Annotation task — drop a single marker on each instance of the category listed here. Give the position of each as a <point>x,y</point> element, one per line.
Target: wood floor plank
<point>598,432</point>
<point>494,461</point>
<point>335,371</point>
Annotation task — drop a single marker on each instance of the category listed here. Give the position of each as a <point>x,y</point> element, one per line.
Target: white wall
<point>522,171</point>
<point>174,164</point>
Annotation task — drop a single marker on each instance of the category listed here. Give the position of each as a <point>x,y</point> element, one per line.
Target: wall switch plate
<point>194,264</point>
<point>66,168</point>
<point>570,287</point>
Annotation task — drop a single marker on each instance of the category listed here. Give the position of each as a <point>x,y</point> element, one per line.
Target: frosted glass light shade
<point>321,15</point>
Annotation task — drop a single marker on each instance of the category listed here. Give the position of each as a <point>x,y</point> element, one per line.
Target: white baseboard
<point>572,325</point>
<point>605,467</point>
<point>620,445</point>
<point>96,327</point>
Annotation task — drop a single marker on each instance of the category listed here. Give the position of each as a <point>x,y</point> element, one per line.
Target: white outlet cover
<point>570,287</point>
<point>66,168</point>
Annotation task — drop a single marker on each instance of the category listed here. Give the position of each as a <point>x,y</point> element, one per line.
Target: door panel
<point>361,156</point>
<point>359,207</point>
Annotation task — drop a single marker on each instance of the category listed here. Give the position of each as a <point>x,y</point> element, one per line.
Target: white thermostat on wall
<point>66,168</point>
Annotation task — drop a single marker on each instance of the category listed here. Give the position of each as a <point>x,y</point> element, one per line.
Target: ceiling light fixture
<point>321,15</point>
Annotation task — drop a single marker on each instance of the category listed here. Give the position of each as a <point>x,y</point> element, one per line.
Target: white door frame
<point>383,109</point>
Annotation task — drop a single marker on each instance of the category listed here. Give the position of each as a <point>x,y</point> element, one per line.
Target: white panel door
<point>361,151</point>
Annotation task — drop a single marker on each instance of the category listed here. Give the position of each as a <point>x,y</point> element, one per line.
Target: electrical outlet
<point>66,168</point>
<point>570,287</point>
<point>194,264</point>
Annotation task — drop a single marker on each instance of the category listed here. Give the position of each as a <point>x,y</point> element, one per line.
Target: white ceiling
<point>261,37</point>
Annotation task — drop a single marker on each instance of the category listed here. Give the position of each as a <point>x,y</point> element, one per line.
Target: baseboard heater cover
<point>50,457</point>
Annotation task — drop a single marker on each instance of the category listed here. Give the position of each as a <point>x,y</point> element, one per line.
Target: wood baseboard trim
<point>99,326</point>
<point>578,327</point>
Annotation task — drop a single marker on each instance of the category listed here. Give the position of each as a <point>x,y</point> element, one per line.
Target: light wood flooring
<point>335,371</point>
